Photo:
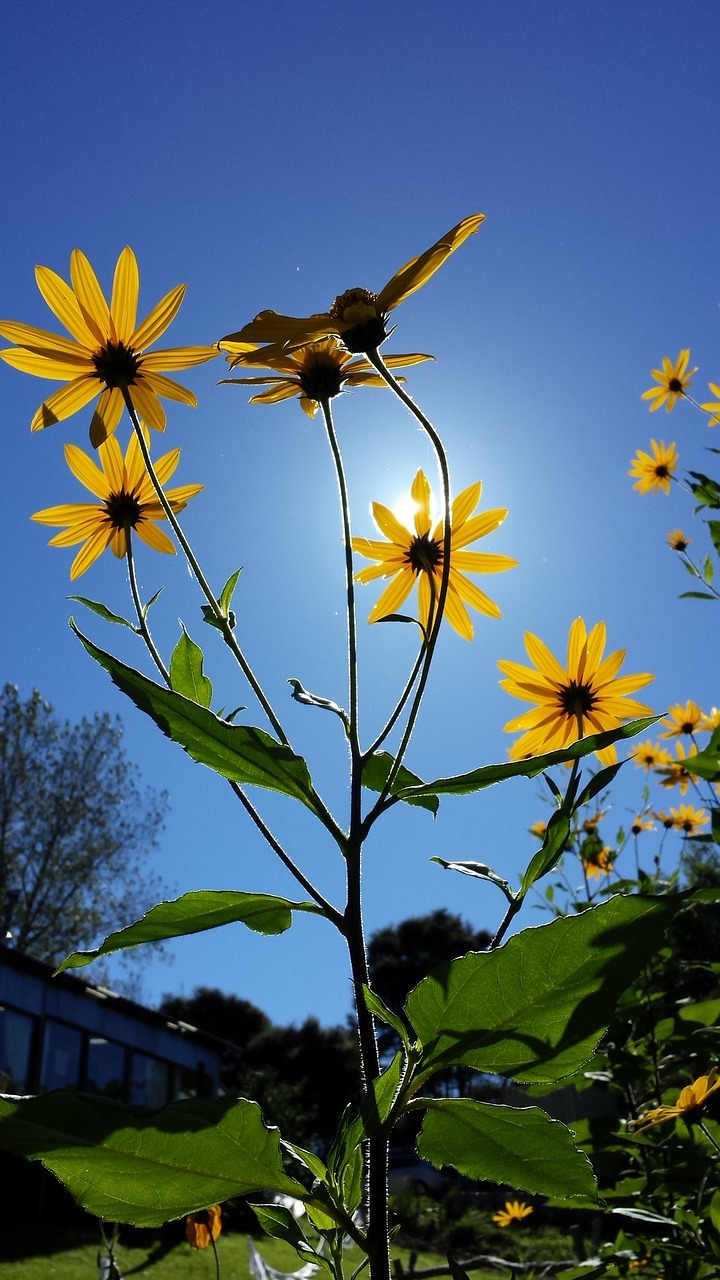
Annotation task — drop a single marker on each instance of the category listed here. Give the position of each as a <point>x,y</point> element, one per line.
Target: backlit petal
<point>65,401</point>
<point>157,322</point>
<point>418,270</point>
<point>62,301</point>
<point>91,299</point>
<point>126,288</point>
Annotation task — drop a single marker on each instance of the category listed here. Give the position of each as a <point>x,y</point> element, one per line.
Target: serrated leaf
<point>376,772</point>
<point>147,1165</point>
<point>103,612</point>
<point>238,752</point>
<point>195,913</point>
<point>520,1146</point>
<point>466,783</point>
<point>535,1009</point>
<point>186,671</point>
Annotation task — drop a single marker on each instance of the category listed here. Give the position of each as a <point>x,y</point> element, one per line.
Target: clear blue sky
<point>271,156</point>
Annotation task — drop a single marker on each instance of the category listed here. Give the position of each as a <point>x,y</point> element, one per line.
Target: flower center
<point>424,554</point>
<point>116,365</point>
<point>576,700</point>
<point>357,309</point>
<point>123,510</point>
<point>675,384</point>
<point>322,378</point>
<point>661,471</point>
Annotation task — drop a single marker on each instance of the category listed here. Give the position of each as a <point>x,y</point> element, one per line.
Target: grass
<point>51,1253</point>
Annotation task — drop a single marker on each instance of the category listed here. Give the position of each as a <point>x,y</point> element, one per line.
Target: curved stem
<point>398,710</point>
<point>142,620</point>
<point>222,621</point>
<point>354,730</point>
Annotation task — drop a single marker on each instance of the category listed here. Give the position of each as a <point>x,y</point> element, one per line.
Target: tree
<point>76,830</point>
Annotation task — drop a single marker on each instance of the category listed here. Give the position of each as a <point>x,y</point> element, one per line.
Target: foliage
<point>75,827</point>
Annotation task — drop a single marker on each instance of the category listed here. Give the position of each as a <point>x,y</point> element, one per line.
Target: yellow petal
<point>389,524</point>
<point>157,322</point>
<point>393,596</point>
<point>93,548</point>
<point>418,270</point>
<point>420,493</point>
<point>177,358</point>
<point>154,537</point>
<point>85,470</point>
<point>113,464</point>
<point>62,301</point>
<point>45,343</point>
<point>68,513</point>
<point>42,366</point>
<point>126,288</point>
<point>162,386</point>
<point>148,406</point>
<point>66,401</point>
<point>91,299</point>
<point>106,416</point>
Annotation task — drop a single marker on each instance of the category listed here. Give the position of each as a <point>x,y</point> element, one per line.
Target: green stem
<point>142,620</point>
<point>704,1129</point>
<point>354,730</point>
<point>222,621</point>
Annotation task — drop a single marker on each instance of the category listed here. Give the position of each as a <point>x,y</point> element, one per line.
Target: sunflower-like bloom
<point>682,719</point>
<point>689,819</point>
<point>640,824</point>
<point>315,372</point>
<point>600,864</point>
<point>107,352</point>
<point>514,1211</point>
<point>408,557</point>
<point>655,472</point>
<point>570,702</point>
<point>127,502</point>
<point>358,316</point>
<point>592,823</point>
<point>712,719</point>
<point>673,379</point>
<point>678,541</point>
<point>538,830</point>
<point>650,755</point>
<point>676,772</point>
<point>712,406</point>
<point>202,1228</point>
<point>689,1106</point>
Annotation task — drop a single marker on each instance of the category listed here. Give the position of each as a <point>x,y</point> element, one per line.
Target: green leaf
<point>535,1009</point>
<point>706,764</point>
<point>238,752</point>
<point>480,870</point>
<point>714,527</point>
<point>380,1010</point>
<point>376,771</point>
<point>555,840</point>
<point>228,591</point>
<point>520,1146</point>
<point>146,1165</point>
<point>279,1222</point>
<point>696,595</point>
<point>308,699</point>
<point>186,671</point>
<point>103,612</point>
<point>195,913</point>
<point>465,783</point>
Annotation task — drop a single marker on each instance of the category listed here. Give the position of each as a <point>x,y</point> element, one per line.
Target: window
<point>105,1067</point>
<point>62,1048</point>
<point>150,1080</point>
<point>16,1031</point>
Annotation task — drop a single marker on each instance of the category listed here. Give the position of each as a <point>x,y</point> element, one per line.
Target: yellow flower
<point>678,541</point>
<point>592,823</point>
<point>689,819</point>
<point>358,316</point>
<point>655,472</point>
<point>108,350</point>
<point>127,502</point>
<point>538,830</point>
<point>674,380</point>
<point>682,719</point>
<point>583,697</point>
<point>641,824</point>
<point>713,406</point>
<point>514,1211</point>
<point>202,1228</point>
<point>689,1106</point>
<point>675,774</point>
<point>314,372</point>
<point>666,819</point>
<point>712,720</point>
<point>409,557</point>
<point>648,755</point>
<point>600,864</point>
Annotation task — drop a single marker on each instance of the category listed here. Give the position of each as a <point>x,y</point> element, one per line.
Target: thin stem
<point>349,578</point>
<point>222,621</point>
<point>217,1260</point>
<point>140,612</point>
<point>703,1127</point>
<point>398,710</point>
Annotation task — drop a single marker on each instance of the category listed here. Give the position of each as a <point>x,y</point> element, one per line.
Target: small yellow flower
<point>689,819</point>
<point>358,316</point>
<point>689,1106</point>
<point>657,471</point>
<point>713,406</point>
<point>674,380</point>
<point>108,351</point>
<point>677,540</point>
<point>676,773</point>
<point>600,864</point>
<point>641,824</point>
<point>666,819</point>
<point>682,719</point>
<point>712,720</point>
<point>315,372</point>
<point>128,502</point>
<point>572,701</point>
<point>202,1228</point>
<point>514,1211</point>
<point>592,823</point>
<point>538,830</point>
<point>409,557</point>
<point>649,755</point>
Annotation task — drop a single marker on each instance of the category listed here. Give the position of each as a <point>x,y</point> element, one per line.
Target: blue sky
<point>271,156</point>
